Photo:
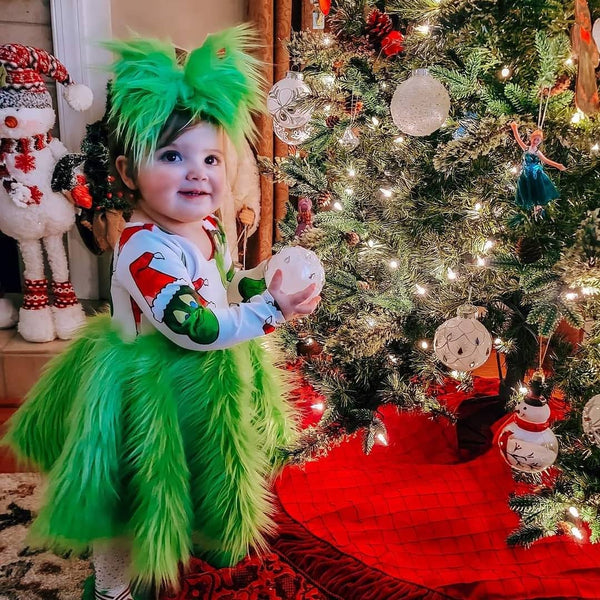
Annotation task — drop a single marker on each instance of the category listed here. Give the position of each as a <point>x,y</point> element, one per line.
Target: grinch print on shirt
<point>172,301</point>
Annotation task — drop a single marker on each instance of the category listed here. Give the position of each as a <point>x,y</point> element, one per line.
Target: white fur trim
<point>8,314</point>
<point>68,320</point>
<point>78,96</point>
<point>165,296</point>
<point>36,325</point>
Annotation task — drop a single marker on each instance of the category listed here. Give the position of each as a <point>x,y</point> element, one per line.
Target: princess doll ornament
<point>534,188</point>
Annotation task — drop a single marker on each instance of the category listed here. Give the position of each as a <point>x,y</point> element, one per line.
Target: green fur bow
<point>220,82</point>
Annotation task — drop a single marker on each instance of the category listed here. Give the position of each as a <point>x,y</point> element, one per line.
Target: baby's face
<point>185,181</point>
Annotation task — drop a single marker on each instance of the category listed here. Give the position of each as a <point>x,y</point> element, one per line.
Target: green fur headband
<point>220,82</point>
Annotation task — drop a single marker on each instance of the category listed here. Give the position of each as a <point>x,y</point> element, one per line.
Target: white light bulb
<point>349,191</point>
<point>393,358</point>
<point>424,29</point>
<point>523,390</point>
<point>399,140</point>
<point>588,291</point>
<point>337,206</point>
<point>328,80</point>
<point>576,532</point>
<point>318,406</point>
<point>505,72</point>
<point>327,40</point>
<point>478,206</point>
<point>375,121</point>
<point>576,117</point>
<point>498,342</point>
<point>595,147</point>
<point>327,108</point>
<point>573,510</point>
<point>383,85</point>
<point>385,192</point>
<point>571,295</point>
<point>382,439</point>
<point>424,344</point>
<point>421,290</point>
<point>451,274</point>
<point>480,261</point>
<point>394,264</point>
<point>351,172</point>
<point>569,61</point>
<point>514,169</point>
<point>454,374</point>
<point>371,243</point>
<point>488,244</point>
<point>370,322</point>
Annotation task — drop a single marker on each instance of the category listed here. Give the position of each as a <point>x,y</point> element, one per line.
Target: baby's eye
<point>212,160</point>
<point>170,156</point>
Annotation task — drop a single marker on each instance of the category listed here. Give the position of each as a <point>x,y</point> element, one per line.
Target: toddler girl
<point>159,428</point>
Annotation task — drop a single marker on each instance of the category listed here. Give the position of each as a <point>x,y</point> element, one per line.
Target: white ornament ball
<point>463,343</point>
<point>292,137</point>
<point>526,444</point>
<point>591,419</point>
<point>284,101</point>
<point>420,105</point>
<point>300,268</point>
<point>596,33</point>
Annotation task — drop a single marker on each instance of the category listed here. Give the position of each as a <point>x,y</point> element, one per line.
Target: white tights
<point>111,564</point>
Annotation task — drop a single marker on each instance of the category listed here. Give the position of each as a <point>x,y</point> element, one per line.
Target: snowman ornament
<point>526,442</point>
<point>30,211</point>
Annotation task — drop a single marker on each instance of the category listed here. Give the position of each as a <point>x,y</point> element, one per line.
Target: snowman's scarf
<point>23,148</point>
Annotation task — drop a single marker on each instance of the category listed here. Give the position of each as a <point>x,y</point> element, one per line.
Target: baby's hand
<point>293,305</point>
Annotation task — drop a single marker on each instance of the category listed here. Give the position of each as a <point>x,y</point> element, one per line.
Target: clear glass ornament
<point>591,419</point>
<point>463,343</point>
<point>284,101</point>
<point>300,268</point>
<point>420,105</point>
<point>349,140</point>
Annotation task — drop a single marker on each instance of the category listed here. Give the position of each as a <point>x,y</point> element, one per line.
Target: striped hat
<point>23,86</point>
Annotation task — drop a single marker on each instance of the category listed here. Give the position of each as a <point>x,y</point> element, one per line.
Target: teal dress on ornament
<point>534,187</point>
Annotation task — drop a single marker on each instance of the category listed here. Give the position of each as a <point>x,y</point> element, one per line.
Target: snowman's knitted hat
<point>22,85</point>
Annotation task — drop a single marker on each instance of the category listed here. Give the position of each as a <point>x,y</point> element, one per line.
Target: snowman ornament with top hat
<point>30,211</point>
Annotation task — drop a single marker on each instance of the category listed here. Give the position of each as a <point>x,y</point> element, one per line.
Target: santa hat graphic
<point>158,288</point>
<point>21,80</point>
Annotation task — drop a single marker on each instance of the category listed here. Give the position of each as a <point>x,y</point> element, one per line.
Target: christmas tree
<point>419,211</point>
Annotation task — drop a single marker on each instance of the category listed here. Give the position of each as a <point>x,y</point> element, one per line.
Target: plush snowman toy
<point>30,211</point>
<point>526,442</point>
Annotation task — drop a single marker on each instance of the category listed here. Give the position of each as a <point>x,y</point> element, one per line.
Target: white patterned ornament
<point>284,101</point>
<point>300,268</point>
<point>591,419</point>
<point>463,343</point>
<point>349,140</point>
<point>527,443</point>
<point>292,137</point>
<point>420,105</point>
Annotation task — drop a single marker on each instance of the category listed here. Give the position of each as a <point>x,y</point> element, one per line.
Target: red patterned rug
<point>425,517</point>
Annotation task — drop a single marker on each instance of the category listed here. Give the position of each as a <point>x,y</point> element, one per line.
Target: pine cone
<point>562,84</point>
<point>529,250</point>
<point>325,201</point>
<point>353,105</point>
<point>363,285</point>
<point>352,238</point>
<point>332,121</point>
<point>379,25</point>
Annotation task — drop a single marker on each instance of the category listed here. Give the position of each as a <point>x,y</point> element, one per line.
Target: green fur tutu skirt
<point>170,448</point>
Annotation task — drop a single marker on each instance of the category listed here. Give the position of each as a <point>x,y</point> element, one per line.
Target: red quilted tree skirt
<point>412,520</point>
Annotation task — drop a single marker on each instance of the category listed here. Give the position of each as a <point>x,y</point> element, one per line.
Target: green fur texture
<point>219,82</point>
<point>175,449</point>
